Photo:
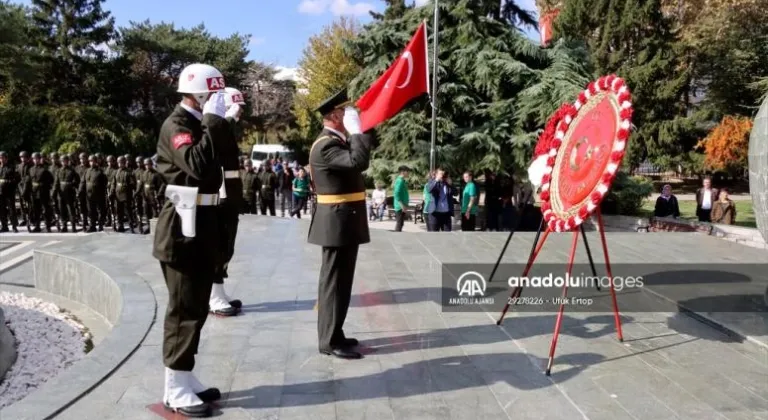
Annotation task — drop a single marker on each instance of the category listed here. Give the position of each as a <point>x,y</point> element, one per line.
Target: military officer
<point>188,242</point>
<point>42,183</point>
<point>151,185</point>
<point>268,183</point>
<point>25,188</point>
<point>251,185</point>
<point>82,202</point>
<point>123,186</point>
<point>229,207</point>
<point>339,221</point>
<point>54,165</point>
<point>95,184</point>
<point>67,184</point>
<point>138,195</point>
<point>9,178</point>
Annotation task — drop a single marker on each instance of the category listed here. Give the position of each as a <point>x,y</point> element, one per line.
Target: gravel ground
<point>48,341</point>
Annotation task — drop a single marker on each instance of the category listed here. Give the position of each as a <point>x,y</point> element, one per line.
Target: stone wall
<point>7,347</point>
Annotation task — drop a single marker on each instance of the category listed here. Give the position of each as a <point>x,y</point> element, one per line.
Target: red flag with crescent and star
<point>406,79</point>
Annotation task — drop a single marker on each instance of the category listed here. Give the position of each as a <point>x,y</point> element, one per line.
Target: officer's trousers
<point>8,210</point>
<point>229,218</point>
<point>267,203</point>
<point>249,207</point>
<point>41,207</point>
<point>83,202</point>
<point>138,207</point>
<point>124,211</point>
<point>97,209</point>
<point>149,208</point>
<point>334,293</point>
<point>67,209</point>
<point>189,288</point>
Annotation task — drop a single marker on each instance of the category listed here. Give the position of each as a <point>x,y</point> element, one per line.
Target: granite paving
<point>422,362</point>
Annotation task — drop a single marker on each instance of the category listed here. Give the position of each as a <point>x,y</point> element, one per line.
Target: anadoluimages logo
<point>471,287</point>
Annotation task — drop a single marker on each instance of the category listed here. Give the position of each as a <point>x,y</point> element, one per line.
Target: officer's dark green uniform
<point>150,182</point>
<point>9,178</point>
<point>95,184</point>
<point>67,184</point>
<point>229,208</point>
<point>25,188</point>
<point>138,194</point>
<point>251,185</point>
<point>54,165</point>
<point>123,186</point>
<point>109,171</point>
<point>268,184</point>
<point>186,156</point>
<point>82,202</point>
<point>42,183</point>
<point>339,224</point>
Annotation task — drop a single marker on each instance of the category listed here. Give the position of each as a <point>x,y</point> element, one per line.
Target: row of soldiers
<point>92,193</point>
<point>263,187</point>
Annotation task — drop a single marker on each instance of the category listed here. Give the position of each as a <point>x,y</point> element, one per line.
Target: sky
<point>279,29</point>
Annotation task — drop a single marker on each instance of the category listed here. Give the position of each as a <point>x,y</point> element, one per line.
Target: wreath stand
<point>600,121</point>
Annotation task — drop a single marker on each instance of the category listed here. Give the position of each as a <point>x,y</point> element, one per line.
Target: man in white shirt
<point>378,203</point>
<point>705,196</point>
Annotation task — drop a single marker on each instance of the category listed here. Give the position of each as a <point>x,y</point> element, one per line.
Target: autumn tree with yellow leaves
<point>726,146</point>
<point>324,69</point>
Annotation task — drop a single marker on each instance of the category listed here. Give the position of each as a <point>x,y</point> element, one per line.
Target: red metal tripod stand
<point>538,245</point>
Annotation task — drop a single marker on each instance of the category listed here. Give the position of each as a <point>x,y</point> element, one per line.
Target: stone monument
<point>758,169</point>
<point>7,347</point>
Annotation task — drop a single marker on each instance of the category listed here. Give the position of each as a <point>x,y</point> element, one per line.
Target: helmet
<point>3,154</point>
<point>233,96</point>
<point>53,155</point>
<point>36,155</point>
<point>199,80</point>
<point>148,161</point>
<point>65,157</point>
<point>83,155</point>
<point>22,154</point>
<point>121,159</point>
<point>110,158</point>
<point>127,156</point>
<point>139,159</point>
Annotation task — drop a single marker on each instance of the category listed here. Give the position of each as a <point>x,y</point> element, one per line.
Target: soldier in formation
<point>123,186</point>
<point>269,184</point>
<point>251,187</point>
<point>66,186</point>
<point>9,180</point>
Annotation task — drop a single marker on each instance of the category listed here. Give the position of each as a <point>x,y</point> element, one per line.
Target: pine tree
<point>496,88</point>
<point>635,40</point>
<point>395,9</point>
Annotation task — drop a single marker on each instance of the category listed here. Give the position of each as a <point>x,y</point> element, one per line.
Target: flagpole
<point>434,89</point>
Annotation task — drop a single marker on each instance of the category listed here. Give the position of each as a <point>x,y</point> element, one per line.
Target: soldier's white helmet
<point>199,80</point>
<point>233,96</point>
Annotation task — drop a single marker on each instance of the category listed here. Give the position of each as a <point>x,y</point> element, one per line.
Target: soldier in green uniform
<point>251,185</point>
<point>42,183</point>
<point>138,194</point>
<point>268,182</point>
<point>188,240</point>
<point>229,206</point>
<point>109,171</point>
<point>66,185</point>
<point>82,202</point>
<point>123,186</point>
<point>54,165</point>
<point>9,178</point>
<point>151,184</point>
<point>339,220</point>
<point>95,184</point>
<point>25,188</point>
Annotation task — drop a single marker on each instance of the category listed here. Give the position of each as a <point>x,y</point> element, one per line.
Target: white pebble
<point>48,341</point>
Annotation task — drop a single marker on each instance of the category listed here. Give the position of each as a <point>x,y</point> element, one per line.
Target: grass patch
<point>745,215</point>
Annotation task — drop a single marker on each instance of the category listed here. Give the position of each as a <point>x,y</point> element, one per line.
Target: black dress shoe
<point>342,353</point>
<point>231,311</point>
<point>350,342</point>
<point>237,304</point>
<point>209,395</point>
<point>199,411</point>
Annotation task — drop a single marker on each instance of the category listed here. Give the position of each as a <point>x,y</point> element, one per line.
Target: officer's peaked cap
<point>336,101</point>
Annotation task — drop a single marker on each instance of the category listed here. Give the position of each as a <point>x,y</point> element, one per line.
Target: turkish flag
<point>405,79</point>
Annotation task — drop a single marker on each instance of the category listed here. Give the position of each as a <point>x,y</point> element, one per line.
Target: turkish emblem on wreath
<point>584,144</point>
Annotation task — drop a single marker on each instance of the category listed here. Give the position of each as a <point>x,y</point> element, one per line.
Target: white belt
<point>231,174</point>
<point>207,200</point>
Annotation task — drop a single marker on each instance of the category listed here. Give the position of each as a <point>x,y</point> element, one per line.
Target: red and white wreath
<point>563,119</point>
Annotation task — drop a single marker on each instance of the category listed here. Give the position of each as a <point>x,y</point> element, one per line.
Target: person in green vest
<point>401,197</point>
<point>468,203</point>
<point>300,193</point>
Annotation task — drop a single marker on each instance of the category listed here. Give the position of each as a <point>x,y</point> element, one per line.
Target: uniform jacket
<point>81,170</point>
<point>9,178</point>
<point>67,182</point>
<point>110,174</point>
<point>42,182</point>
<point>268,183</point>
<point>150,183</point>
<point>251,185</point>
<point>123,184</point>
<point>24,180</point>
<point>229,153</point>
<point>337,168</point>
<point>94,183</point>
<point>187,155</point>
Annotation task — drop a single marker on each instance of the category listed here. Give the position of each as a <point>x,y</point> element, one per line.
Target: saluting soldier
<point>25,188</point>
<point>123,185</point>
<point>251,184</point>
<point>268,181</point>
<point>42,183</point>
<point>187,156</point>
<point>67,184</point>
<point>82,202</point>
<point>229,207</point>
<point>339,221</point>
<point>95,184</point>
<point>9,178</point>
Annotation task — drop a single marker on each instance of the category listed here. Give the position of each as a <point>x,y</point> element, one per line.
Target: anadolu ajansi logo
<point>471,287</point>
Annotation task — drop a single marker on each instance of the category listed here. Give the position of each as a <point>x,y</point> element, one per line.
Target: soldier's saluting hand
<point>187,237</point>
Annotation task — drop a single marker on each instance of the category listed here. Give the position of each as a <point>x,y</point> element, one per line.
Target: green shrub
<point>627,194</point>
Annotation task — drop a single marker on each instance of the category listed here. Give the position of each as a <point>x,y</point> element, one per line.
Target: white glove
<point>352,121</point>
<point>233,112</point>
<point>215,105</point>
<point>537,170</point>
